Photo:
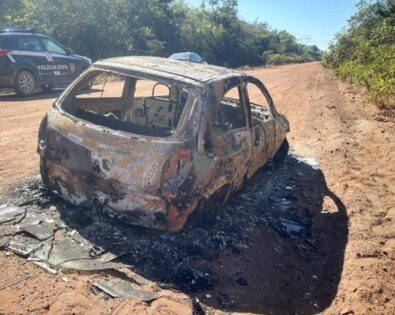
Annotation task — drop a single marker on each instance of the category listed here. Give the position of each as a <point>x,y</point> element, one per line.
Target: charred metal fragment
<point>125,289</point>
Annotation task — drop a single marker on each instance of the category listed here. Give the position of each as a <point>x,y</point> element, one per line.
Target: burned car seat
<point>160,111</point>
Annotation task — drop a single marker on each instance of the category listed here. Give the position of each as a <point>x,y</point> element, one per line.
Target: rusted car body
<point>152,157</point>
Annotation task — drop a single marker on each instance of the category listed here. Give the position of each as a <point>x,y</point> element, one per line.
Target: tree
<point>364,53</point>
<point>104,28</point>
<point>9,10</point>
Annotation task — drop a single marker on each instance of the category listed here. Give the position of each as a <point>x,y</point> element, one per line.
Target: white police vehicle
<point>188,56</point>
<point>29,61</point>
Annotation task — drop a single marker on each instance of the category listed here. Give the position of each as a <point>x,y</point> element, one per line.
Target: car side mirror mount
<point>69,51</point>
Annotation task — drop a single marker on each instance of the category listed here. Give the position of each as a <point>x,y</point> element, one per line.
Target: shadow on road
<point>277,246</point>
<point>280,273</point>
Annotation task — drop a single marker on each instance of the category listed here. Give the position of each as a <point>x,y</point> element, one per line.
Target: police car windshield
<point>127,103</point>
<point>180,56</point>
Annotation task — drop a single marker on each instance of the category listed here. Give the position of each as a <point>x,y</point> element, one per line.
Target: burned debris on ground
<point>282,198</point>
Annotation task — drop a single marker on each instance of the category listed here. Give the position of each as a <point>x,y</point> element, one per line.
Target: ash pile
<point>53,234</point>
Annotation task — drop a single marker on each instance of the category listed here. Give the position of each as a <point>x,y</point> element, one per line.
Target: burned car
<point>155,139</point>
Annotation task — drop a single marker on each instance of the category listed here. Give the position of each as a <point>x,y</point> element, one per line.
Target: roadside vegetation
<point>364,53</point>
<point>103,28</point>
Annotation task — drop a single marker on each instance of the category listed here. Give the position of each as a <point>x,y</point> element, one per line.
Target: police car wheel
<point>25,84</point>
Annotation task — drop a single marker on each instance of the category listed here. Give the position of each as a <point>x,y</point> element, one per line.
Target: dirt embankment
<point>353,193</point>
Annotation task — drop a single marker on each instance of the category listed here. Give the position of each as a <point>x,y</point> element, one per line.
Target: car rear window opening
<point>127,103</point>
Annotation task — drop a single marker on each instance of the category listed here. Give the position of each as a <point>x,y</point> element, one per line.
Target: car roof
<point>22,34</point>
<point>169,67</point>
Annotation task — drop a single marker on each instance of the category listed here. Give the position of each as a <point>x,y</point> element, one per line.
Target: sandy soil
<point>354,145</point>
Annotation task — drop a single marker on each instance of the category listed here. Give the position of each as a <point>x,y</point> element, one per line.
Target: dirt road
<point>354,146</point>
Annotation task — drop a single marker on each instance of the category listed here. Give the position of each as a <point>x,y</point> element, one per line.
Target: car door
<point>7,61</point>
<point>263,123</point>
<point>229,145</point>
<point>29,51</point>
<point>65,66</point>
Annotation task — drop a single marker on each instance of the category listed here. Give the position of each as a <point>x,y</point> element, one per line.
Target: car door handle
<point>257,140</point>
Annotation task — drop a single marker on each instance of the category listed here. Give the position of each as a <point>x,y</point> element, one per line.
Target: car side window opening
<point>230,114</point>
<point>53,47</point>
<point>127,103</point>
<point>29,43</point>
<point>260,107</point>
<point>8,42</point>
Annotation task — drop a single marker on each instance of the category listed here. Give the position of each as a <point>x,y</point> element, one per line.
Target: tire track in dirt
<point>355,151</point>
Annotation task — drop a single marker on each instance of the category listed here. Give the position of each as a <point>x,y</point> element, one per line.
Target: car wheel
<point>25,83</point>
<point>282,151</point>
<point>47,88</point>
<point>208,209</point>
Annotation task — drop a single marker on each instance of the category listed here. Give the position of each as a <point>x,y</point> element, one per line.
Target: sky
<point>310,21</point>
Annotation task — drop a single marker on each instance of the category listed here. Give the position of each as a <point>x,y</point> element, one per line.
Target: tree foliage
<point>364,53</point>
<point>103,28</point>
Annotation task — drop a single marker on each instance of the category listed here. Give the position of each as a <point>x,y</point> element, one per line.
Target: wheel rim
<point>26,82</point>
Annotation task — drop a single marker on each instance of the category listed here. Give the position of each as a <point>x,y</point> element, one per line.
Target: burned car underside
<point>152,139</point>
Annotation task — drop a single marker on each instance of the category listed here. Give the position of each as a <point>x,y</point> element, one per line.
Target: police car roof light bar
<point>9,29</point>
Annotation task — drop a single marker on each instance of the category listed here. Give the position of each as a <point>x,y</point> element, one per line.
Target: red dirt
<point>354,147</point>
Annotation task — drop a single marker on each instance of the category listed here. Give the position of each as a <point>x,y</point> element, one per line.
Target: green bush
<point>282,59</point>
<point>364,54</point>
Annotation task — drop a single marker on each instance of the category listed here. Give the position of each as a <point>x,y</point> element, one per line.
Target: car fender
<point>81,63</point>
<point>26,66</point>
<point>222,182</point>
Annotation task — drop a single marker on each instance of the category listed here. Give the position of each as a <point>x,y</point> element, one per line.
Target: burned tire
<point>25,83</point>
<point>208,209</point>
<point>282,151</point>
